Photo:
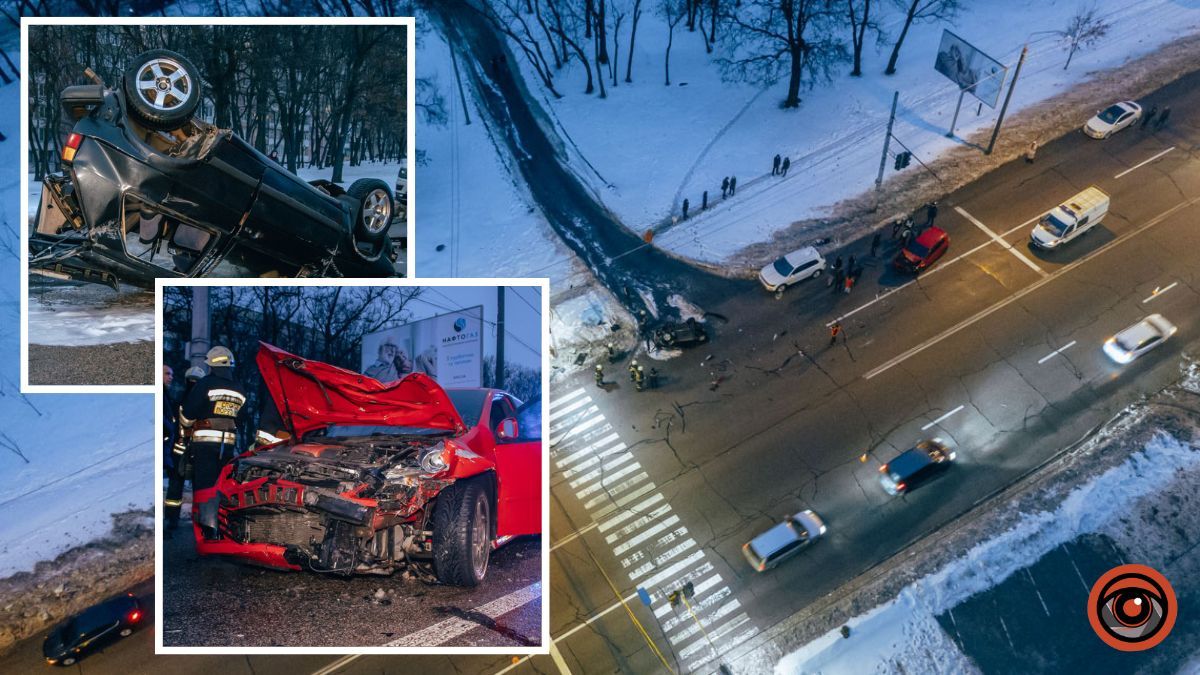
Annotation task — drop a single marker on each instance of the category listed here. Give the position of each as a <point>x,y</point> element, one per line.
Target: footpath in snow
<point>653,146</point>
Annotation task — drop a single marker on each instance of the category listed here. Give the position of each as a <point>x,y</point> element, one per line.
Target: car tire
<point>779,291</point>
<point>69,661</point>
<point>462,528</point>
<point>126,632</point>
<point>169,109</point>
<point>375,206</point>
<point>816,274</point>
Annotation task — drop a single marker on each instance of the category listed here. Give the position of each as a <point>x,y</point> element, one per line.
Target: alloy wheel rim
<point>164,84</point>
<point>479,539</point>
<point>377,211</point>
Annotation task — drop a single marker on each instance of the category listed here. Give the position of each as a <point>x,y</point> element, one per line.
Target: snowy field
<point>466,197</point>
<point>658,145</point>
<point>67,462</point>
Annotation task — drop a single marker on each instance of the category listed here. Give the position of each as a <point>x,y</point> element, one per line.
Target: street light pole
<point>1007,97</point>
<point>887,140</point>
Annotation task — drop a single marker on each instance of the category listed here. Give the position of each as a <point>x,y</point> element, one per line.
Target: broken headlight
<point>435,459</point>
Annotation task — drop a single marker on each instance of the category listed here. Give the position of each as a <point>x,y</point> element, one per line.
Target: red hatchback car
<point>377,477</point>
<point>923,250</point>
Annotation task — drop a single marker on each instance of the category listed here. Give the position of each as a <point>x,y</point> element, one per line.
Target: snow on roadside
<point>67,462</point>
<point>905,630</point>
<point>675,142</point>
<point>63,321</point>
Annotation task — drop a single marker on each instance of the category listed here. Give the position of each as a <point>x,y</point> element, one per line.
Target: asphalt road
<point>210,602</point>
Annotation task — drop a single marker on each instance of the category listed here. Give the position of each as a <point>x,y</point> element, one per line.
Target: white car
<point>1113,119</point>
<point>784,540</point>
<point>1139,338</point>
<point>805,263</point>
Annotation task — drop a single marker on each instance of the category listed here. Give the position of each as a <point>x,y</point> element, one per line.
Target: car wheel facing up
<point>462,529</point>
<point>162,89</point>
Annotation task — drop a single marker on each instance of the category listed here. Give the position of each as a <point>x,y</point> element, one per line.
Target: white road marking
<point>982,314</point>
<point>573,536</point>
<point>636,510</point>
<point>1056,352</point>
<point>928,273</point>
<point>600,472</point>
<point>1159,291</point>
<point>596,459</point>
<point>622,502</point>
<point>641,522</point>
<point>572,418</point>
<point>942,418</point>
<point>449,629</point>
<point>556,401</point>
<point>567,409</point>
<point>646,534</point>
<point>620,487</point>
<point>707,621</point>
<point>575,430</point>
<point>605,484</point>
<point>335,665</point>
<point>1138,166</point>
<point>586,450</point>
<point>662,559</point>
<point>999,240</point>
<point>670,571</point>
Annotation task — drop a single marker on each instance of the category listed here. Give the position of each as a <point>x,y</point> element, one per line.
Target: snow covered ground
<point>904,635</point>
<point>657,145</point>
<point>67,462</point>
<point>467,199</point>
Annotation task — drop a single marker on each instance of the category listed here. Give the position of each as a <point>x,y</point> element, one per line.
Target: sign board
<point>973,71</point>
<point>447,347</point>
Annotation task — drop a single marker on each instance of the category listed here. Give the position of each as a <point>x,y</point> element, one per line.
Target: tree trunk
<point>667,59</point>
<point>637,13</point>
<point>908,19</point>
<point>797,63</point>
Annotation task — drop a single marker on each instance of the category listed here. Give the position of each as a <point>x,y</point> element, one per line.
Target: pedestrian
<point>724,187</point>
<point>1031,153</point>
<point>775,165</point>
<point>906,233</point>
<point>875,242</point>
<point>208,423</point>
<point>178,469</point>
<point>839,276</point>
<point>599,376</point>
<point>1162,118</point>
<point>834,331</point>
<point>850,267</point>
<point>849,282</point>
<point>704,200</point>
<point>654,378</point>
<point>733,185</point>
<point>685,208</point>
<point>896,225</point>
<point>639,378</point>
<point>931,213</point>
<point>1150,115</point>
<point>787,164</point>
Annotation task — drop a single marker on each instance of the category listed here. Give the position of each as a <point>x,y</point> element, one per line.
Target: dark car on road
<point>92,629</point>
<point>148,190</point>
<point>923,250</point>
<point>680,334</point>
<point>913,467</point>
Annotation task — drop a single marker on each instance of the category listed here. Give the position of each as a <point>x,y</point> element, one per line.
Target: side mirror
<point>507,430</point>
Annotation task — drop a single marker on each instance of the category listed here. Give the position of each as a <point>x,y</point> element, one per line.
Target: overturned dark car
<point>148,190</point>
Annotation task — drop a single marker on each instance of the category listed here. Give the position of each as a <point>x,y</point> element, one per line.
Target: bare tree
<point>672,11</point>
<point>918,11</point>
<point>1083,30</point>
<point>773,38</point>
<point>637,14</point>
<point>860,22</point>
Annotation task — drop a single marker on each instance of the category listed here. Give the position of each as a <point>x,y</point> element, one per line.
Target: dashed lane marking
<point>449,629</point>
<point>942,418</point>
<point>1159,291</point>
<point>1141,164</point>
<point>1056,352</point>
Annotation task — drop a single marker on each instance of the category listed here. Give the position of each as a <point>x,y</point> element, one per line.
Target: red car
<point>923,250</point>
<point>377,477</point>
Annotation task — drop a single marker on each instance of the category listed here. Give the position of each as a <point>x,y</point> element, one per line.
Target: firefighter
<point>208,421</point>
<point>178,470</point>
<point>633,370</point>
<point>599,376</point>
<point>639,377</point>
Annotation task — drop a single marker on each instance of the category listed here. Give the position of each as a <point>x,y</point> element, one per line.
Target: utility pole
<point>954,122</point>
<point>499,337</point>
<point>1007,97</point>
<point>887,140</point>
<point>198,347</point>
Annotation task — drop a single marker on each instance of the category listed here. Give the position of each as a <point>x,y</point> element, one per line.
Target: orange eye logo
<point>1132,608</point>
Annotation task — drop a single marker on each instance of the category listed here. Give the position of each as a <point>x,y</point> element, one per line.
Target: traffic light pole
<point>887,141</point>
<point>1007,97</point>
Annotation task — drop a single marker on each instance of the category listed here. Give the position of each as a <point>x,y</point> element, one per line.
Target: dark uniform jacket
<point>213,408</point>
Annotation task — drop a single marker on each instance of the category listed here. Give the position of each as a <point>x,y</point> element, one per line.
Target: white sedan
<point>1113,119</point>
<point>1139,338</point>
<point>805,263</point>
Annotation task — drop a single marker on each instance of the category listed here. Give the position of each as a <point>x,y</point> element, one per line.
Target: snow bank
<point>657,145</point>
<point>906,631</point>
<point>67,462</point>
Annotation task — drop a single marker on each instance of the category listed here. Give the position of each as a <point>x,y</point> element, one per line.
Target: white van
<point>1070,219</point>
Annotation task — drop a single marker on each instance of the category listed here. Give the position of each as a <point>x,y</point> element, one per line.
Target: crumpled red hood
<point>312,394</point>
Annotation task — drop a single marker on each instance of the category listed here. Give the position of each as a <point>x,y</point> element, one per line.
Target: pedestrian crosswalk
<point>648,539</point>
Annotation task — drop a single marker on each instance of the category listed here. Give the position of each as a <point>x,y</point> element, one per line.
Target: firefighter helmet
<point>219,356</point>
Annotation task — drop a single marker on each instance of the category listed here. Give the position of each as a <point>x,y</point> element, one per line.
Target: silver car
<point>784,540</point>
<point>1139,338</point>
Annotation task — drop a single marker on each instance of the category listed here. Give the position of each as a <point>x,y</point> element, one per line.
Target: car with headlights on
<point>784,540</point>
<point>919,464</point>
<point>1113,119</point>
<point>1139,338</point>
<point>801,264</point>
<point>378,477</point>
<point>92,629</point>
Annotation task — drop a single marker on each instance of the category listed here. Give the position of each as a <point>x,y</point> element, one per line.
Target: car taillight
<point>901,486</point>
<point>71,147</point>
<point>135,615</point>
<point>883,468</point>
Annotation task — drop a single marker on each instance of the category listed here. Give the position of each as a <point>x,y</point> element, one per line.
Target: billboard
<point>973,71</point>
<point>447,347</point>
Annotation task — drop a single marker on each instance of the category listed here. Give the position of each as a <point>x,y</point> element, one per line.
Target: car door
<point>1124,120</point>
<point>518,466</point>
